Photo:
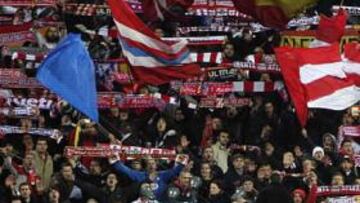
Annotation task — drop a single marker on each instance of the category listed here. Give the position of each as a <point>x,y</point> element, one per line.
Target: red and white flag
<point>320,77</point>
<point>153,60</point>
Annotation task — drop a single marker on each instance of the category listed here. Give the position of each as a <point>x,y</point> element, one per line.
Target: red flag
<point>331,29</point>
<point>326,81</point>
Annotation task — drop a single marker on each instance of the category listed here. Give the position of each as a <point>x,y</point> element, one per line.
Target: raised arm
<point>121,168</point>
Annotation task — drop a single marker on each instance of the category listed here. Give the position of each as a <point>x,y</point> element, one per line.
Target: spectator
<point>112,190</point>
<point>299,196</point>
<point>275,192</point>
<point>234,175</point>
<point>26,193</point>
<point>221,151</point>
<point>181,189</point>
<point>158,179</point>
<point>43,162</point>
<point>217,192</point>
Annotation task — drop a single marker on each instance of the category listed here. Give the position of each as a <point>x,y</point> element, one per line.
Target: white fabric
<point>339,100</point>
<point>309,73</point>
<point>137,36</point>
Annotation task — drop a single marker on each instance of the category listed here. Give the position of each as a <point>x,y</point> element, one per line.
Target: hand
<point>114,157</point>
<point>304,133</point>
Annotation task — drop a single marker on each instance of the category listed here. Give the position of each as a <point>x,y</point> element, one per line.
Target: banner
<point>221,74</point>
<point>221,88</point>
<point>98,9</point>
<point>214,102</point>
<point>125,152</point>
<point>351,10</point>
<point>41,103</point>
<point>18,111</point>
<point>261,67</point>
<point>110,100</point>
<point>14,78</point>
<point>199,41</point>
<point>302,39</point>
<point>27,3</point>
<point>347,131</point>
<point>16,35</point>
<point>51,133</point>
<point>338,190</point>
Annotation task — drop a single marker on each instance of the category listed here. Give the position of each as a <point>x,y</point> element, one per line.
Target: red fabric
<point>207,133</point>
<point>159,76</point>
<point>151,13</point>
<point>331,29</point>
<point>271,16</point>
<point>352,51</point>
<point>286,58</point>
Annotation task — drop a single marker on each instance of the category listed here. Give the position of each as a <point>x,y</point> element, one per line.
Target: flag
<point>330,29</point>
<point>273,13</point>
<point>326,81</point>
<point>164,9</point>
<point>153,60</point>
<point>69,72</point>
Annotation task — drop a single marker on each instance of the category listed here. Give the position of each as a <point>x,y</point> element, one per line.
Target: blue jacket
<point>160,184</point>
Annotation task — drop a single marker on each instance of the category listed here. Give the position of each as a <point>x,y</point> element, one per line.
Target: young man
<point>158,179</point>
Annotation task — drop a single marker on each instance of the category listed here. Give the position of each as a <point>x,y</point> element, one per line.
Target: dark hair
<point>344,141</point>
<point>41,139</point>
<point>66,164</point>
<point>219,183</point>
<point>275,178</point>
<point>338,173</point>
<point>24,184</point>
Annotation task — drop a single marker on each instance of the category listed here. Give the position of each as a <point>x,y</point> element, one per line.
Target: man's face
<point>54,195</point>
<point>346,165</point>
<point>28,161</point>
<point>347,147</point>
<point>185,178</point>
<point>27,140</point>
<point>319,156</point>
<point>266,171</point>
<point>67,173</point>
<point>151,165</point>
<point>229,51</point>
<point>179,116</point>
<point>205,170</point>
<point>25,191</point>
<point>136,165</point>
<point>111,180</point>
<point>269,108</point>
<point>52,35</point>
<point>337,180</point>
<point>208,154</point>
<point>159,32</point>
<point>95,168</point>
<point>239,163</point>
<point>248,186</point>
<point>307,165</point>
<point>161,125</point>
<point>288,158</point>
<point>224,138</point>
<point>216,124</point>
<point>297,198</point>
<point>124,115</point>
<point>41,146</point>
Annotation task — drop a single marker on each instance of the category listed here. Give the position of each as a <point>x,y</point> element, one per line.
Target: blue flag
<point>69,72</point>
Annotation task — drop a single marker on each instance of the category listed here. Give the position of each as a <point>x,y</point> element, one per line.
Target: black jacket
<point>275,192</point>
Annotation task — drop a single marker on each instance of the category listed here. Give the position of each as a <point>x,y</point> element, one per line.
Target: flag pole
<point>342,3</point>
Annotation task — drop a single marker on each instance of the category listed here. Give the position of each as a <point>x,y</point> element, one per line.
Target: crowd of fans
<point>255,153</point>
